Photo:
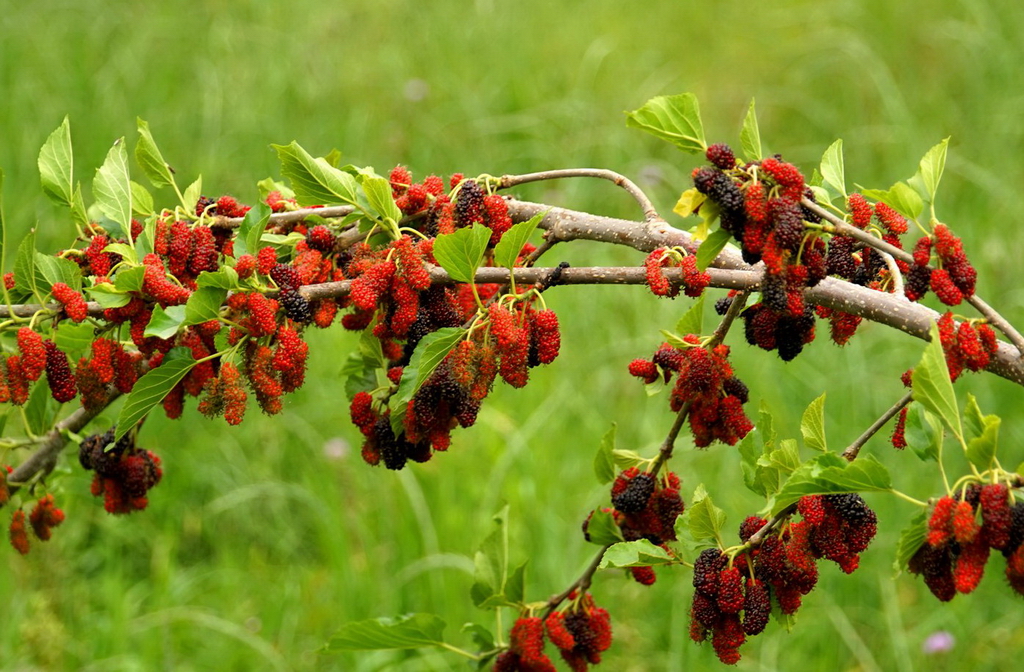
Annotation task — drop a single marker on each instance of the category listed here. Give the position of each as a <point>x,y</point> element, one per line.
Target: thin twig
<point>894,272</point>
<point>854,448</point>
<point>650,212</point>
<point>581,584</point>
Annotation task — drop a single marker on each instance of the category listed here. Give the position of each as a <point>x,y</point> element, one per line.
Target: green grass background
<point>264,539</point>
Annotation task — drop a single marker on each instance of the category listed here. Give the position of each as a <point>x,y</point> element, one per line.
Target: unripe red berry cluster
<point>646,507</point>
<point>581,633</point>
<point>966,346</point>
<point>962,530</point>
<point>124,473</point>
<point>694,281</point>
<point>705,381</point>
<point>44,517</point>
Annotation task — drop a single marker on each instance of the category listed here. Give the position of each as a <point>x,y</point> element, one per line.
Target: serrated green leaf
<point>689,202</point>
<point>750,136</point>
<point>604,461</point>
<point>821,195</point>
<point>932,386</point>
<point>192,193</point>
<point>515,586</point>
<point>151,388</point>
<point>412,631</point>
<point>41,409</point>
<point>692,321</point>
<point>460,253</point>
<point>149,158</point>
<point>706,519</point>
<point>481,636</point>
<point>785,459</point>
<point>142,200</point>
<point>833,169</point>
<point>165,322</point>
<point>371,349</point>
<point>429,353</point>
<point>251,229</point>
<point>766,426</point>
<point>511,244</point>
<point>378,194</point>
<point>315,181</point>
<point>25,264</point>
<point>932,165</point>
<point>204,305</point>
<point>749,454</point>
<point>981,450</point>
<point>126,252</point>
<point>901,197</point>
<point>78,213</point>
<point>974,419</point>
<point>74,339</point>
<point>491,563</point>
<point>225,278</point>
<point>639,553</point>
<point>828,473</point>
<point>51,270</point>
<point>108,296</point>
<point>675,119</point>
<point>674,339</point>
<point>129,279</point>
<point>923,432</point>
<point>602,529</point>
<point>812,425</point>
<point>911,538</point>
<point>56,165</point>
<point>624,459</point>
<point>269,184</point>
<point>111,186</point>
<point>709,249</point>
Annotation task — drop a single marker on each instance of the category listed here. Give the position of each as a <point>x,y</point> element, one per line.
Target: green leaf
<point>602,528</point>
<point>675,119</point>
<point>56,165</point>
<point>821,195</point>
<point>51,270</point>
<point>974,419</point>
<point>371,349</point>
<point>269,184</point>
<point>150,159</point>
<point>624,459</point>
<point>41,409</point>
<point>750,136</point>
<point>460,253</point>
<point>911,538</point>
<point>25,264</point>
<point>192,193</point>
<point>981,450</point>
<point>78,213</point>
<point>833,170</point>
<point>639,553</point>
<point>688,202</point>
<point>108,296</point>
<point>251,230</point>
<point>709,249</point>
<point>74,338</point>
<point>128,253</point>
<point>165,322</point>
<point>901,196</point>
<point>511,244</point>
<point>932,165</point>
<point>784,460</point>
<point>515,586</point>
<point>812,425</point>
<point>378,193</point>
<point>315,181</point>
<point>491,562</point>
<point>604,461</point>
<point>142,200</point>
<point>111,186</point>
<point>706,519</point>
<point>932,386</point>
<point>204,305</point>
<point>152,388</point>
<point>923,432</point>
<point>829,473</point>
<point>129,279</point>
<point>427,356</point>
<point>225,278</point>
<point>411,631</point>
<point>692,322</point>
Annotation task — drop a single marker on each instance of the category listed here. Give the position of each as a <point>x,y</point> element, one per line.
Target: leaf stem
<point>854,448</point>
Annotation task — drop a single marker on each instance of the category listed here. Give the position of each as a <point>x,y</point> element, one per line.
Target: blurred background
<point>262,540</point>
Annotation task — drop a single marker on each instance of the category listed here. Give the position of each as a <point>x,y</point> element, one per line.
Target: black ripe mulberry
<point>636,495</point>
<point>296,306</point>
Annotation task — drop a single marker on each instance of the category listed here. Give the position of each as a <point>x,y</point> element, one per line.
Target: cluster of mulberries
<point>840,527</point>
<point>124,472</point>
<point>962,530</point>
<point>694,281</point>
<point>73,302</point>
<point>788,331</point>
<point>523,338</point>
<point>224,395</point>
<point>966,346</point>
<point>581,633</point>
<point>645,507</point>
<point>704,380</point>
<point>44,517</point>
<point>186,249</point>
<point>842,326</point>
<point>728,604</point>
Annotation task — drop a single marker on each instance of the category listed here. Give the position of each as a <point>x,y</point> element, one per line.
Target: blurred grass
<point>262,540</point>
